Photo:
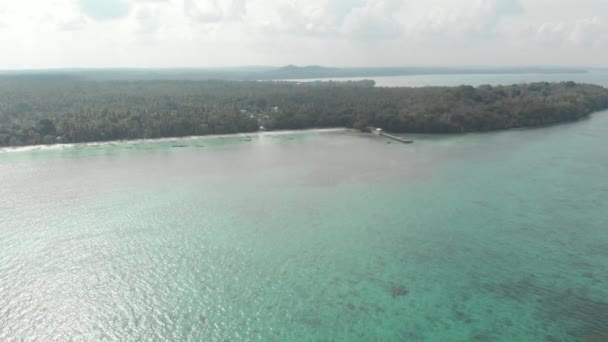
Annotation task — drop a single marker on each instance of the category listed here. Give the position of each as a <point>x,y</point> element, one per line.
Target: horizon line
<point>300,66</point>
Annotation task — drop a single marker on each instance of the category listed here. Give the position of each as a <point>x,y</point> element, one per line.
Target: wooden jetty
<point>379,131</point>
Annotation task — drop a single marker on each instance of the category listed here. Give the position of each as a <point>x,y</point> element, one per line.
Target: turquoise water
<point>334,236</point>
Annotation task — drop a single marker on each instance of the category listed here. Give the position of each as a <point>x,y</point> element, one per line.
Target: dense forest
<point>46,110</point>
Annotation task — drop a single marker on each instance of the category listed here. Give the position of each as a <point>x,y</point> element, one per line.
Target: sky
<point>36,34</point>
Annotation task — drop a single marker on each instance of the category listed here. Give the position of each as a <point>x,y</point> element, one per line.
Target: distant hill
<point>269,73</point>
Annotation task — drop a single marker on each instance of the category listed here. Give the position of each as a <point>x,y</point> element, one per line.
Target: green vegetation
<point>44,110</point>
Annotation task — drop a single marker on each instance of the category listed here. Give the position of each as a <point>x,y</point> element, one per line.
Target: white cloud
<point>588,31</point>
<point>584,32</point>
<point>147,20</point>
<point>328,19</point>
<point>308,18</point>
<point>458,18</point>
<point>73,23</point>
<point>374,20</point>
<point>105,9</point>
<point>553,33</point>
<point>212,11</point>
<point>3,15</point>
<point>80,33</point>
<point>148,16</point>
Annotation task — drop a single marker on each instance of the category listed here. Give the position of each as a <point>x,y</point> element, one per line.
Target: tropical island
<point>53,109</point>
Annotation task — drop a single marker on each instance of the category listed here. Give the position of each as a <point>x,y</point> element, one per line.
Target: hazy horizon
<point>271,67</point>
<point>167,34</point>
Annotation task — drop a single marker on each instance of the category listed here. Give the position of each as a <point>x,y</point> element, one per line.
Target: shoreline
<point>41,147</point>
<point>27,148</point>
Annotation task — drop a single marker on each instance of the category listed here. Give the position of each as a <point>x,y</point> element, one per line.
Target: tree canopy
<point>50,110</point>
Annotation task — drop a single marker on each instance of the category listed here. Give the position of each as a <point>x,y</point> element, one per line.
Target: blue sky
<point>207,33</point>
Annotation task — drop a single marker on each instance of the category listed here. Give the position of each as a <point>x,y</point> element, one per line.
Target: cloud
<point>390,19</point>
<point>74,23</point>
<point>328,19</point>
<point>502,8</point>
<point>374,20</point>
<point>150,17</point>
<point>105,9</point>
<point>213,11</point>
<point>2,14</point>
<point>147,20</point>
<point>458,18</point>
<point>587,32</point>
<point>550,33</point>
<point>331,32</point>
<point>301,18</point>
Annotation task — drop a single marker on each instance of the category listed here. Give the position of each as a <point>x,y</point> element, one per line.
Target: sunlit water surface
<point>593,76</point>
<point>315,236</point>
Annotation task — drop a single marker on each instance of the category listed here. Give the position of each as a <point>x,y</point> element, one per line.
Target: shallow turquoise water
<point>309,237</point>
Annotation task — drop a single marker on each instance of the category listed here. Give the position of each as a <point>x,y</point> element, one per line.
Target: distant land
<point>253,73</point>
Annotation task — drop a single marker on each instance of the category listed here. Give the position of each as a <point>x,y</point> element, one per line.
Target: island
<point>54,109</point>
<point>268,73</point>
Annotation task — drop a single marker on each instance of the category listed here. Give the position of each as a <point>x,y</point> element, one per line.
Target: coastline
<point>41,147</point>
<point>27,148</point>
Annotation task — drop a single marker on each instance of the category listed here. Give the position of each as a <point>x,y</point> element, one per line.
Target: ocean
<point>309,236</point>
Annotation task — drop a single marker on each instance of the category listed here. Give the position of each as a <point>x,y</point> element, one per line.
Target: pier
<point>379,131</point>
